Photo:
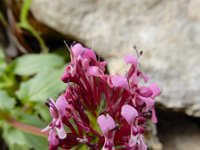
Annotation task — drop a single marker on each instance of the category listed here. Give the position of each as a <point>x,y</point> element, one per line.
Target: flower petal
<point>155,89</point>
<point>94,71</point>
<point>131,60</point>
<point>106,123</point>
<point>61,132</point>
<point>141,145</point>
<point>149,103</point>
<point>89,54</point>
<point>145,77</point>
<point>132,141</point>
<point>47,128</point>
<point>129,113</point>
<point>61,105</point>
<point>77,50</point>
<point>52,138</point>
<point>119,81</point>
<point>144,91</point>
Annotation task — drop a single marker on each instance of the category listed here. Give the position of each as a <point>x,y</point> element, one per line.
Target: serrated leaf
<point>35,63</point>
<point>43,85</point>
<point>6,102</point>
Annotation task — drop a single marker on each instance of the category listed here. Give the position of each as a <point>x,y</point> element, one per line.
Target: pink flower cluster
<point>99,110</point>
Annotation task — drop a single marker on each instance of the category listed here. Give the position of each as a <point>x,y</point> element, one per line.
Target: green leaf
<point>43,111</point>
<point>43,85</point>
<point>36,142</point>
<point>33,120</point>
<point>15,139</point>
<point>6,102</point>
<point>19,140</point>
<point>34,63</point>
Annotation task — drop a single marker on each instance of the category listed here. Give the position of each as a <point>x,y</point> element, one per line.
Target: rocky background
<point>167,31</point>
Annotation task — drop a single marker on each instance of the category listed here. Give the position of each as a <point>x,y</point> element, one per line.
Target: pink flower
<point>107,124</point>
<point>155,89</point>
<point>94,71</point>
<point>144,91</point>
<point>131,116</point>
<point>53,140</point>
<point>119,81</point>
<point>131,60</point>
<point>80,52</point>
<point>129,113</point>
<point>147,95</point>
<point>57,111</point>
<point>90,93</point>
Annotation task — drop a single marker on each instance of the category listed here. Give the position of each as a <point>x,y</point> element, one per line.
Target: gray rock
<point>167,31</point>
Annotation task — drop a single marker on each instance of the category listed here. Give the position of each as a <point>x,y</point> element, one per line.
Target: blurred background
<point>33,56</point>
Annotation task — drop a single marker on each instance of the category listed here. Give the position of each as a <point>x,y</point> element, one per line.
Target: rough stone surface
<point>167,31</point>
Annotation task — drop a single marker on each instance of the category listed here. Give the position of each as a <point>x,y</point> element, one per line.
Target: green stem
<point>27,26</point>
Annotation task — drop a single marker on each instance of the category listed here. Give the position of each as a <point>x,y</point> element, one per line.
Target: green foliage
<point>38,143</point>
<point>6,102</point>
<point>43,85</point>
<point>7,79</point>
<point>33,63</point>
<point>25,84</point>
<point>15,139</point>
<point>2,62</point>
<point>31,119</point>
<point>19,140</point>
<point>43,112</point>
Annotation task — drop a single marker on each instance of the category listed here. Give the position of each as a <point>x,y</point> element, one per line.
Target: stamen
<point>136,50</point>
<point>139,53</point>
